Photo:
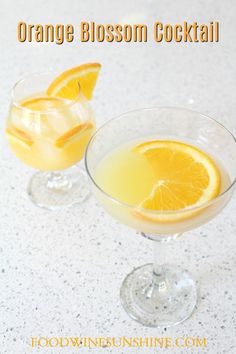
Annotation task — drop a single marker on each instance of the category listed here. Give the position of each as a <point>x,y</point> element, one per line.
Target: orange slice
<point>44,103</point>
<point>73,133</point>
<point>16,135</point>
<point>185,177</point>
<point>68,84</point>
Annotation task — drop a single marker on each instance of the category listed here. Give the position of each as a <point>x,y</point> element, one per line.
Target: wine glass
<point>159,294</point>
<point>50,134</point>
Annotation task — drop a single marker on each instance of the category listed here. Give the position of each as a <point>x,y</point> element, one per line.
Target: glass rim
<point>157,212</point>
<point>27,76</point>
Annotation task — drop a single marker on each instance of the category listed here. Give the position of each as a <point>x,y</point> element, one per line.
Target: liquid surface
<point>129,178</point>
<point>135,172</point>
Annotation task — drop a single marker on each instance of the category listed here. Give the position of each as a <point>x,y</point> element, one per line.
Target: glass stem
<point>160,256</point>
<point>58,181</point>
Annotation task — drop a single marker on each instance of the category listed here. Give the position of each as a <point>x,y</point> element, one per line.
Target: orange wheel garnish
<point>68,84</point>
<point>185,177</point>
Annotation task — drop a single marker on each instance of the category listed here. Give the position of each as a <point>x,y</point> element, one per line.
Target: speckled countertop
<point>60,272</point>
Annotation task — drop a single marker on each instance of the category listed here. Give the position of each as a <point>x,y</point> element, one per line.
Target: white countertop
<point>60,272</point>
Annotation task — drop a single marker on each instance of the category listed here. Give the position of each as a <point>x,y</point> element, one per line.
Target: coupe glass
<point>50,135</point>
<point>159,294</point>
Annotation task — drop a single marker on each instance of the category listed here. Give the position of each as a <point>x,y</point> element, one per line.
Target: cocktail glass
<point>50,134</point>
<point>159,294</point>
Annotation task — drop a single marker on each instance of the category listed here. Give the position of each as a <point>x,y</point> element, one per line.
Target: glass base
<point>159,300</point>
<point>52,190</point>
